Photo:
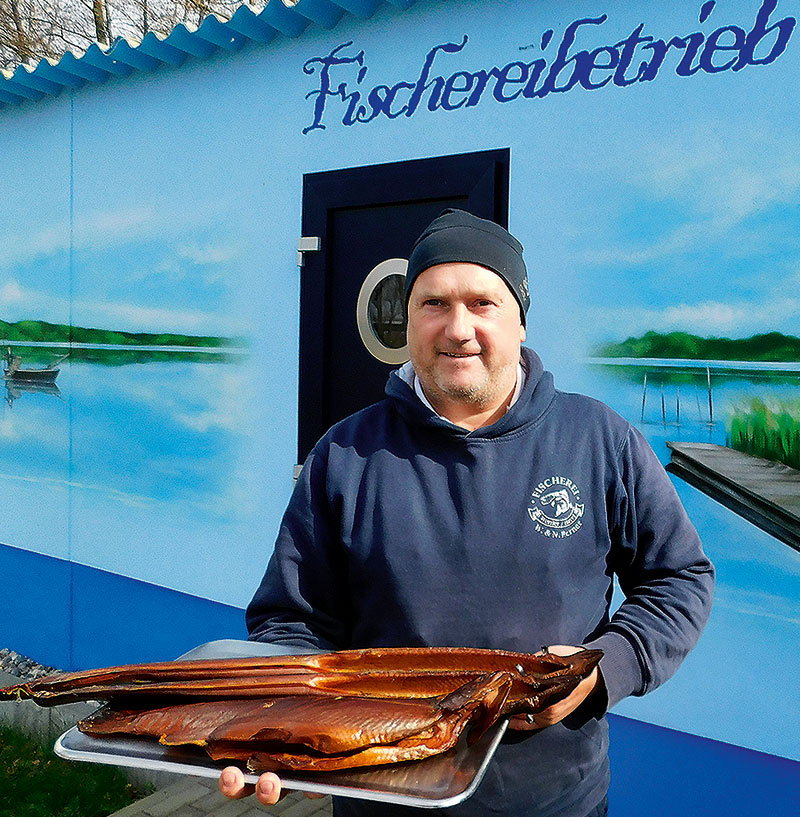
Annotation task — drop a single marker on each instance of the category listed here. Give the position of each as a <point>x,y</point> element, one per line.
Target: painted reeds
<point>771,432</point>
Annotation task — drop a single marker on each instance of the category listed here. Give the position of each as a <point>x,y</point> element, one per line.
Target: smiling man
<point>479,506</point>
<point>464,335</point>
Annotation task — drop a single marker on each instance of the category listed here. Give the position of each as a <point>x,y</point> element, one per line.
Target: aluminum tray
<point>436,782</point>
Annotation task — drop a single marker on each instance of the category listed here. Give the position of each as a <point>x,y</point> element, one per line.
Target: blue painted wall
<point>657,771</point>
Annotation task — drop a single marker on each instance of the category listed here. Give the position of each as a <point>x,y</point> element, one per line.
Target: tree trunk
<point>107,10</point>
<point>100,30</point>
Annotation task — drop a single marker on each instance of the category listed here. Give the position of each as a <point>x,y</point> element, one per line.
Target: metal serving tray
<point>436,782</point>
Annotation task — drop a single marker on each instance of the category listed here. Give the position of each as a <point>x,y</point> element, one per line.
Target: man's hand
<point>267,790</point>
<point>559,710</point>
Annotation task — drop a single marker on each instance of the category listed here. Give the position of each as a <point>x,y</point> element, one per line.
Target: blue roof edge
<point>123,57</point>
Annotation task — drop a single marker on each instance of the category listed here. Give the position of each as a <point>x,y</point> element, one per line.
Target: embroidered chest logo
<point>555,507</point>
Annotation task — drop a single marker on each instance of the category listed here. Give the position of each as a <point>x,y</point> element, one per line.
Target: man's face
<point>464,334</point>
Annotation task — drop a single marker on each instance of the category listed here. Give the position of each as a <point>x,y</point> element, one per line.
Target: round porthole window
<point>381,312</point>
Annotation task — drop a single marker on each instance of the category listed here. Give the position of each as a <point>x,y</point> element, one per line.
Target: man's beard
<point>480,395</point>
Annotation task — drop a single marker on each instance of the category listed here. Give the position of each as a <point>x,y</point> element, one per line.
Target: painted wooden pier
<point>763,492</point>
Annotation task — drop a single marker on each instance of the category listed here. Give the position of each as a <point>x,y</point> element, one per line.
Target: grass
<point>36,783</point>
<point>769,432</point>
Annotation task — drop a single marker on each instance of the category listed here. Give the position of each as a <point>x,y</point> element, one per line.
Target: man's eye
<point>433,302</point>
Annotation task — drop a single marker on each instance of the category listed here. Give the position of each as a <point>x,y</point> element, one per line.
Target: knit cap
<point>458,236</point>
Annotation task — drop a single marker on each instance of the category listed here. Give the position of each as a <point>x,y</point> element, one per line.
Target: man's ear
<point>522,334</point>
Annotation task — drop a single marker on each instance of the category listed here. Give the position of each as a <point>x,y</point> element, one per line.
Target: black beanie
<point>458,236</point>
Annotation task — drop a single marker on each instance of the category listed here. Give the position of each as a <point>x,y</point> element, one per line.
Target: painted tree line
<point>31,30</point>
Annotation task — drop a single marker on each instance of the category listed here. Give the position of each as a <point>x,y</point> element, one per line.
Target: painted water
<point>152,469</point>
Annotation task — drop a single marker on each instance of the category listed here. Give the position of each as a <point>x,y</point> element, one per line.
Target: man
<point>478,506</point>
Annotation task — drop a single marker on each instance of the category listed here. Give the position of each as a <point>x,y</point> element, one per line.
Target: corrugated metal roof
<point>98,63</point>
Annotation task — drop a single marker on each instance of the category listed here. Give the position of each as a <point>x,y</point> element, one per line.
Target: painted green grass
<point>772,432</point>
<point>36,783</point>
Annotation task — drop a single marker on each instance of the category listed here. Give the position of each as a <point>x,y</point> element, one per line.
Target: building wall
<point>170,202</point>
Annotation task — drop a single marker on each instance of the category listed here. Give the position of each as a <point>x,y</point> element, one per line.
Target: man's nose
<point>459,326</point>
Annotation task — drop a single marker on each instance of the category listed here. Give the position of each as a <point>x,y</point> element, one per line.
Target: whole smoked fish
<point>318,712</point>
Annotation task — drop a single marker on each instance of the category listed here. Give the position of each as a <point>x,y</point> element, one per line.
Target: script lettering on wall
<point>341,74</point>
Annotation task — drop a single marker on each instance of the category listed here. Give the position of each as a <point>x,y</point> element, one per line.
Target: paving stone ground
<point>199,797</point>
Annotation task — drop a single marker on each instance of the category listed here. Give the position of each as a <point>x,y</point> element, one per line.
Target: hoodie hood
<point>534,401</point>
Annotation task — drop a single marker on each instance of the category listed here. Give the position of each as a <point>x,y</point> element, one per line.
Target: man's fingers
<point>523,723</point>
<point>268,789</point>
<point>562,650</point>
<point>559,710</point>
<point>231,783</point>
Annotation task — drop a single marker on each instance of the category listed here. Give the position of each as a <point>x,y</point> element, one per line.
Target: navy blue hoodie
<point>406,530</point>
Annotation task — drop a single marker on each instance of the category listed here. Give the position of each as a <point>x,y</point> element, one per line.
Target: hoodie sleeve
<point>663,572</point>
<point>300,601</point>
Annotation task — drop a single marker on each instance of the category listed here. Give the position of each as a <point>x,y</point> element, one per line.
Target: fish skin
<point>243,677</point>
<point>328,725</point>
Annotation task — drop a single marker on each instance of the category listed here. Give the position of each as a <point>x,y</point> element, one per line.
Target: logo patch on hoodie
<point>555,507</point>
